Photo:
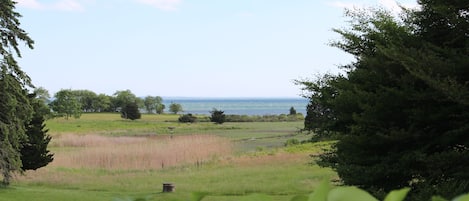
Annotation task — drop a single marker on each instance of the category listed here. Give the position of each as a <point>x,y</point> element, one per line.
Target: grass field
<point>103,157</point>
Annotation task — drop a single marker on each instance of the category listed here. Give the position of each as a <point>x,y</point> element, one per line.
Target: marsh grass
<point>138,153</point>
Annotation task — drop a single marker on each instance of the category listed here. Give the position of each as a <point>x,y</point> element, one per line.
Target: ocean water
<point>240,106</point>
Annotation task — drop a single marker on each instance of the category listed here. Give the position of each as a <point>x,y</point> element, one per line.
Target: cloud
<point>65,5</point>
<point>168,5</point>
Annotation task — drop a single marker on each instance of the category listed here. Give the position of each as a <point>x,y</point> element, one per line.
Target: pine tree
<point>14,105</point>
<point>34,153</point>
<point>217,116</point>
<point>131,111</point>
<point>401,109</point>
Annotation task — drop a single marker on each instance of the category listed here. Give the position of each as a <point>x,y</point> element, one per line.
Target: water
<point>240,106</point>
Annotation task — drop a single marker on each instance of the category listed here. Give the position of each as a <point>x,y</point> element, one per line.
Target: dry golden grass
<point>137,153</point>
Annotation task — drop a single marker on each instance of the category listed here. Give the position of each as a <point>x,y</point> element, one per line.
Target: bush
<point>291,142</point>
<point>264,118</point>
<point>187,118</point>
<point>218,116</point>
<point>130,111</point>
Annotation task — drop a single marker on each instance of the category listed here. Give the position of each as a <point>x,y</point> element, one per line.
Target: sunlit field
<point>131,159</point>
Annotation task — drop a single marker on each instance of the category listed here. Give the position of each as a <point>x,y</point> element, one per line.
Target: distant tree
<point>131,111</point>
<point>217,116</point>
<point>153,103</point>
<point>122,98</point>
<point>66,104</point>
<point>102,103</point>
<point>187,118</point>
<point>292,111</point>
<point>87,99</point>
<point>34,153</point>
<point>175,108</point>
<point>149,103</point>
<point>159,107</point>
<point>43,94</point>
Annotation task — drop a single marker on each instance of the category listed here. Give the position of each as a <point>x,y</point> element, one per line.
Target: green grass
<point>261,164</point>
<point>275,178</point>
<point>248,135</point>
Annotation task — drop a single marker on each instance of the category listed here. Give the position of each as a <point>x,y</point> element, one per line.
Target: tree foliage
<point>14,104</point>
<point>292,111</point>
<point>67,104</point>
<point>175,108</point>
<point>34,153</point>
<point>217,116</point>
<point>187,118</point>
<point>122,98</point>
<point>401,108</point>
<point>153,103</point>
<point>131,111</point>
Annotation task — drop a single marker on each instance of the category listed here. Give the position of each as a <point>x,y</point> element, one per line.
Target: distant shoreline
<point>240,105</point>
<point>230,98</point>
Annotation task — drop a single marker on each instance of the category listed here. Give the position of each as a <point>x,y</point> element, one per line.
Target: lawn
<point>102,157</point>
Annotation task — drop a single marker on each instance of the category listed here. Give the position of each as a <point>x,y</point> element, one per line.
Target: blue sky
<point>184,48</point>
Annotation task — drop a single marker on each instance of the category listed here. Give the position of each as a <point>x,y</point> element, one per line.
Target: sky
<point>184,48</point>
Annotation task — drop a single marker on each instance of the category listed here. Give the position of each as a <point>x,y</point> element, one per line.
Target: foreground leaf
<point>438,198</point>
<point>320,193</point>
<point>464,197</point>
<point>397,195</point>
<point>349,194</point>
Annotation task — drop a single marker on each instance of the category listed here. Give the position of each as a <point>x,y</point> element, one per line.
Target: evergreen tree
<point>401,109</point>
<point>217,116</point>
<point>34,153</point>
<point>292,111</point>
<point>14,105</point>
<point>131,111</point>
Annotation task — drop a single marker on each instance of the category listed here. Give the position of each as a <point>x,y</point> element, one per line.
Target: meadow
<point>104,157</point>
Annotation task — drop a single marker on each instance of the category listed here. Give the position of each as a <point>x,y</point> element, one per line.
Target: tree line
<point>72,103</point>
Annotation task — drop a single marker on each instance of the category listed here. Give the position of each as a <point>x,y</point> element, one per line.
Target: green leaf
<point>397,195</point>
<point>438,198</point>
<point>349,194</point>
<point>464,197</point>
<point>300,198</point>
<point>198,196</point>
<point>320,193</point>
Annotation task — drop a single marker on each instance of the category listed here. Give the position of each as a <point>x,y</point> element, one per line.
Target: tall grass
<point>137,153</point>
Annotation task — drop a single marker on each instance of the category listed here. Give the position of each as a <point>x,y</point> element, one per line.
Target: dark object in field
<point>168,187</point>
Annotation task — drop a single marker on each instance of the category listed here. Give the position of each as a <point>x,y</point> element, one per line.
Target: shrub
<point>291,142</point>
<point>292,111</point>
<point>130,111</point>
<point>218,116</point>
<point>187,118</point>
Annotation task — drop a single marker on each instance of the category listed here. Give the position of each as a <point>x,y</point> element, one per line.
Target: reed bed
<point>137,153</point>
